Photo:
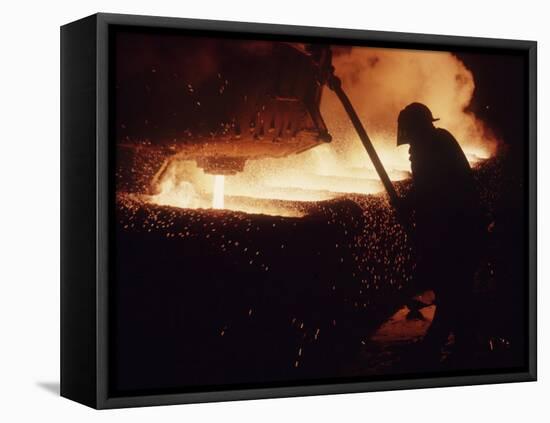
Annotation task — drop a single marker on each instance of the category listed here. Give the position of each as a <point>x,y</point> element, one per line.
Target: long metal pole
<point>335,84</point>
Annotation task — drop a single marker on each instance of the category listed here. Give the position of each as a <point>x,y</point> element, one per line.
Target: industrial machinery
<point>252,100</point>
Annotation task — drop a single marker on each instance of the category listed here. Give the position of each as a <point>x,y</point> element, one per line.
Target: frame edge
<point>103,22</point>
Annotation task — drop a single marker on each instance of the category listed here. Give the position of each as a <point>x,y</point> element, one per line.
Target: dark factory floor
<point>217,297</point>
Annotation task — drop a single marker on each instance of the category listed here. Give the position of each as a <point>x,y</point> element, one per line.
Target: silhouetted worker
<point>448,224</point>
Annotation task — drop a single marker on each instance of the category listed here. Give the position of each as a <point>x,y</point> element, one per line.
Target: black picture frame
<point>86,158</point>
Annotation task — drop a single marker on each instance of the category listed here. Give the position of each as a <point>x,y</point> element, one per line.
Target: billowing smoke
<point>381,82</point>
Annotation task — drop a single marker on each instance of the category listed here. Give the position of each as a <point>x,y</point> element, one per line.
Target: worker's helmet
<point>414,117</point>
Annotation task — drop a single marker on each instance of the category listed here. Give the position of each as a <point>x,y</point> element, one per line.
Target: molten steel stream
<point>218,192</point>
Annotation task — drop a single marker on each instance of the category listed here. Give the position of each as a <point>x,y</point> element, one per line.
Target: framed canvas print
<point>254,211</point>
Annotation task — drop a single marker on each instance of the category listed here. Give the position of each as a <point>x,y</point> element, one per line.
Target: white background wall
<point>29,209</point>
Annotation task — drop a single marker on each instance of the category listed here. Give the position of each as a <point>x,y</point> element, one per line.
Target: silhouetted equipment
<point>256,100</point>
<point>322,55</point>
<point>335,84</point>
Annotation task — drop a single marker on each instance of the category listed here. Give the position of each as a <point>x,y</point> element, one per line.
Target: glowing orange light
<point>380,82</point>
<point>218,192</point>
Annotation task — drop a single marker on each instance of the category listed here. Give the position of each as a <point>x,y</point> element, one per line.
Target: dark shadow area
<point>204,296</point>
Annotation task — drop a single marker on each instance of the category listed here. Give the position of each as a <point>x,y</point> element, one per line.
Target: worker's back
<point>446,202</point>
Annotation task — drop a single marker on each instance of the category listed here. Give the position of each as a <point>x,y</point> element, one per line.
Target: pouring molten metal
<point>258,105</point>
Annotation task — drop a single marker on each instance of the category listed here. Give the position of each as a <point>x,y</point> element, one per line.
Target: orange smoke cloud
<point>381,82</point>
